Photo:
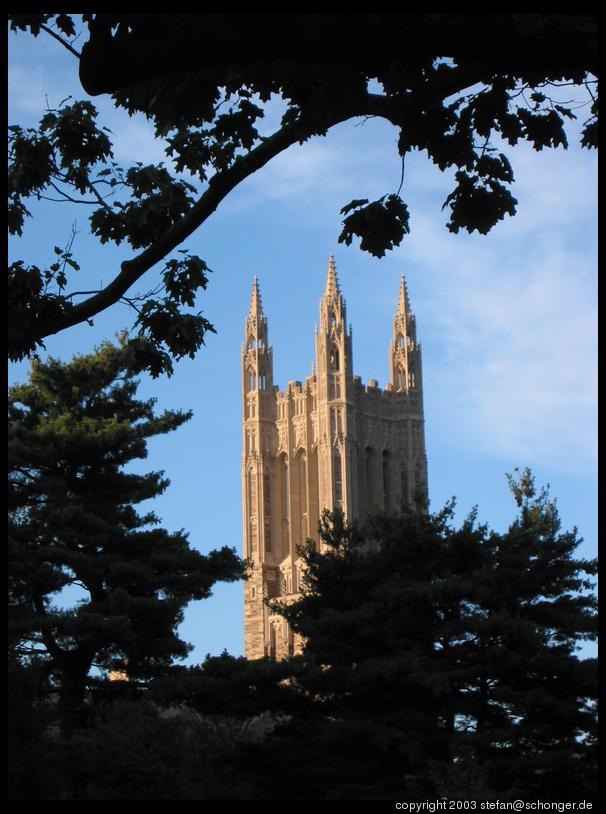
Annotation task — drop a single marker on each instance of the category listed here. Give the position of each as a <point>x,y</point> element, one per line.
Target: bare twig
<point>63,42</point>
<point>402,176</point>
<point>65,198</point>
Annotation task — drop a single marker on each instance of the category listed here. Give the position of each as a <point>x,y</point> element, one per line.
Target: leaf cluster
<point>70,155</point>
<point>381,225</point>
<point>158,201</point>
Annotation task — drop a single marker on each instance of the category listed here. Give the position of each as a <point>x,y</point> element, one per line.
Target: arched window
<point>370,492</point>
<point>252,491</point>
<point>284,485</point>
<point>404,484</point>
<point>262,380</point>
<point>338,478</point>
<point>272,641</point>
<point>400,382</point>
<point>253,536</point>
<point>412,377</point>
<point>334,386</point>
<point>386,482</point>
<point>291,642</point>
<point>334,358</point>
<point>267,510</point>
<point>400,341</point>
<point>303,483</point>
<point>418,478</point>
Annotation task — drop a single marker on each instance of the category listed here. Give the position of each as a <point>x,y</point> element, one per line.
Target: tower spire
<point>256,306</point>
<point>256,327</point>
<point>403,350</point>
<point>332,305</point>
<point>403,301</point>
<point>332,281</point>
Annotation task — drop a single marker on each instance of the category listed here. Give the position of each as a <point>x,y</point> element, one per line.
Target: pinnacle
<point>403,303</point>
<point>332,281</point>
<point>256,307</point>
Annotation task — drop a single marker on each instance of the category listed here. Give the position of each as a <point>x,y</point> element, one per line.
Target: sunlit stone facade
<point>330,441</point>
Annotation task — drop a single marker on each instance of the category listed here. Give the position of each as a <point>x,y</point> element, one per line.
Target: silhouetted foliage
<point>73,524</point>
<point>32,731</point>
<point>237,687</point>
<point>441,661</point>
<point>459,87</point>
<point>179,737</point>
<point>136,751</point>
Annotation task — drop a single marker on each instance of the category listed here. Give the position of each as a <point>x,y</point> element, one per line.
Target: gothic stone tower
<point>331,442</point>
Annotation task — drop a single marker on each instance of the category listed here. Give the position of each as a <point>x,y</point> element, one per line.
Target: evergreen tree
<point>443,661</point>
<point>528,696</point>
<point>73,524</point>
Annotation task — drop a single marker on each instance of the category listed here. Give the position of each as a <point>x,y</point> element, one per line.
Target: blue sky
<point>507,321</point>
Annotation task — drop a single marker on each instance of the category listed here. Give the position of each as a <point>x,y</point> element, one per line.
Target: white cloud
<point>28,87</point>
<point>509,319</point>
<point>513,334</point>
<point>133,139</point>
<point>320,174</point>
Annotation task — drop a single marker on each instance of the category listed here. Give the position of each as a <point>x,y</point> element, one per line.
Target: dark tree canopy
<point>73,523</point>
<point>444,661</point>
<point>460,87</point>
<point>440,662</point>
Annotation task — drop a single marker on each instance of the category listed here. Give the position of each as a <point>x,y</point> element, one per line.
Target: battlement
<point>295,388</point>
<point>373,391</point>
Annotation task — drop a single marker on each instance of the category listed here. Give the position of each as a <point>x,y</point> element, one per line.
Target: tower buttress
<point>404,353</point>
<point>407,381</point>
<point>257,356</point>
<point>334,365</point>
<point>258,422</point>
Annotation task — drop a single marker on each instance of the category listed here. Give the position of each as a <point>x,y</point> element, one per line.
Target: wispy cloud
<point>512,322</point>
<point>134,139</point>
<point>320,174</point>
<point>508,320</point>
<point>28,88</point>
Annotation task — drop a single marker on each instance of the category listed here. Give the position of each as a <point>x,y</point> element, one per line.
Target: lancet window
<point>338,478</point>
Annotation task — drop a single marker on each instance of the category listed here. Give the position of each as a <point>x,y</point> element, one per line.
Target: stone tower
<point>330,442</point>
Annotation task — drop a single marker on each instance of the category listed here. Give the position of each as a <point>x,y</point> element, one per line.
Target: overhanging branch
<point>392,108</point>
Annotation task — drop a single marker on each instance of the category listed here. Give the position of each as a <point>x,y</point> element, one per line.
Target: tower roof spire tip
<point>403,302</point>
<point>256,307</point>
<point>332,281</point>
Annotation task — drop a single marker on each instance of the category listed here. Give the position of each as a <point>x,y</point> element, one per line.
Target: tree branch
<point>220,186</point>
<point>67,197</point>
<point>51,645</point>
<point>222,183</point>
<point>63,42</point>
